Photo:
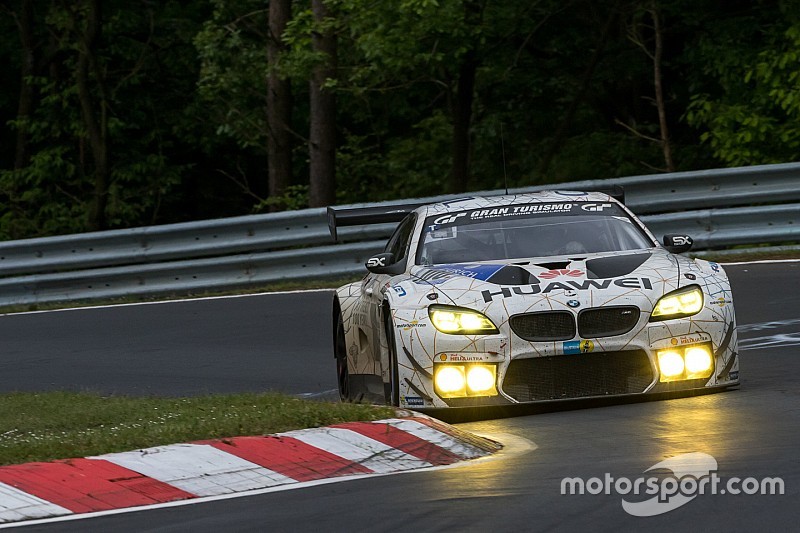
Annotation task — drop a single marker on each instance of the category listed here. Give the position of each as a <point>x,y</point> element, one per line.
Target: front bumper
<point>529,372</point>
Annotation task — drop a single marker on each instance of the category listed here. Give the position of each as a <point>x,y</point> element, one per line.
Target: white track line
<point>159,302</point>
<point>762,261</point>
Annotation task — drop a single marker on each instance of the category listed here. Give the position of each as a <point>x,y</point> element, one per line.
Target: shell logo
<point>551,274</point>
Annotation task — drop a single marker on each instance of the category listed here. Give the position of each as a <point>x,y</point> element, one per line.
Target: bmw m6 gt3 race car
<point>534,297</point>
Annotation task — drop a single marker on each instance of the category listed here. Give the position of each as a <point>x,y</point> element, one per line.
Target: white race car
<point>547,296</point>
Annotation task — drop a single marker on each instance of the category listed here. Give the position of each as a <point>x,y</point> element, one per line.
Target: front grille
<point>578,376</point>
<point>544,326</point>
<point>607,321</point>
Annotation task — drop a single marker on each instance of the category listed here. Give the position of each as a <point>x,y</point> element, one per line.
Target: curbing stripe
<point>404,441</point>
<point>418,428</point>
<point>290,457</point>
<point>16,505</point>
<point>85,485</point>
<point>482,445</point>
<point>368,452</point>
<point>164,475</point>
<point>199,469</point>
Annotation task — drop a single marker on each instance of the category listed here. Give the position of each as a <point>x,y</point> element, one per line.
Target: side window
<point>400,239</point>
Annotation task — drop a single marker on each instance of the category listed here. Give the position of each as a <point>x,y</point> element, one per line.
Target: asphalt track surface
<point>280,341</point>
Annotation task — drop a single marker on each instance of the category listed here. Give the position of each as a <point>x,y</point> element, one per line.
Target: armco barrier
<point>719,208</point>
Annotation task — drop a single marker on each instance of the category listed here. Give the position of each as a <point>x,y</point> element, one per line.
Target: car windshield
<point>528,230</point>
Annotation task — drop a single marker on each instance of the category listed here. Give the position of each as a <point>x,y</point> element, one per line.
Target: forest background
<point>130,113</point>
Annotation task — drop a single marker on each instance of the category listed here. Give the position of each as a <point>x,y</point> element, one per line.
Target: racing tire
<point>340,353</point>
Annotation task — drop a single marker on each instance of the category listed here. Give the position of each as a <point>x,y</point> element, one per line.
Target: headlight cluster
<point>454,381</point>
<point>460,321</point>
<point>678,304</point>
<point>689,362</point>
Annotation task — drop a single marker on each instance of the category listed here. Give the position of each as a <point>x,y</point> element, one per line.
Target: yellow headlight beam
<point>481,380</point>
<point>691,362</point>
<point>671,365</point>
<point>459,381</point>
<point>450,381</point>
<point>678,304</point>
<point>699,362</point>
<point>460,321</point>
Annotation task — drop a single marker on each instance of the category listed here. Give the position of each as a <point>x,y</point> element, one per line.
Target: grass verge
<point>62,425</point>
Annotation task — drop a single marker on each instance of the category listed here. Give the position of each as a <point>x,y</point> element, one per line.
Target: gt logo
<point>595,207</point>
<point>376,262</point>
<point>449,219</point>
<point>680,240</point>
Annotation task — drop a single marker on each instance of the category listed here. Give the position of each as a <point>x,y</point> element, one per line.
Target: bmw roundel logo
<point>573,303</point>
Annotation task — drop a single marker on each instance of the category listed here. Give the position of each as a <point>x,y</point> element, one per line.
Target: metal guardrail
<point>719,208</point>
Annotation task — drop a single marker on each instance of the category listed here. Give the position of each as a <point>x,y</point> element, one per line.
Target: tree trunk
<point>586,79</point>
<point>322,137</point>
<point>462,119</point>
<point>461,107</point>
<point>96,127</point>
<point>657,82</point>
<point>279,105</point>
<point>25,107</point>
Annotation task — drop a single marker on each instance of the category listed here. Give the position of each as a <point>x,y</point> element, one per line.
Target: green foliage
<point>233,56</point>
<point>185,90</point>
<point>293,198</point>
<point>55,189</point>
<point>756,118</point>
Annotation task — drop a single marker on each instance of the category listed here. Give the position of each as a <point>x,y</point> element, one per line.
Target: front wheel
<point>340,352</point>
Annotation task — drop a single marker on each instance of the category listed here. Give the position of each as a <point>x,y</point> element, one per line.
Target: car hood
<point>621,278</point>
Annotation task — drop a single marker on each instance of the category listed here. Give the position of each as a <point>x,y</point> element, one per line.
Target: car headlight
<point>460,321</point>
<point>691,362</point>
<point>677,304</point>
<point>458,381</point>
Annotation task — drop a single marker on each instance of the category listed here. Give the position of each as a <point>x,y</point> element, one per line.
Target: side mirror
<point>384,264</point>
<point>677,244</point>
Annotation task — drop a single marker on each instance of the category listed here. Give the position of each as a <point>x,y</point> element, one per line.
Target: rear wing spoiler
<point>614,191</point>
<point>357,216</point>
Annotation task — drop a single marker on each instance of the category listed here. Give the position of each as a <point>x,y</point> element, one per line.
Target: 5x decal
<point>570,285</point>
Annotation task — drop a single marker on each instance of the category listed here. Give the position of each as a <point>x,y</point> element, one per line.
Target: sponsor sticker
<point>411,325</point>
<point>595,207</point>
<point>446,233</point>
<point>414,401</point>
<point>567,285</point>
<point>464,357</point>
<point>441,273</point>
<point>515,211</point>
<point>576,347</point>
<point>683,340</point>
<point>552,274</point>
